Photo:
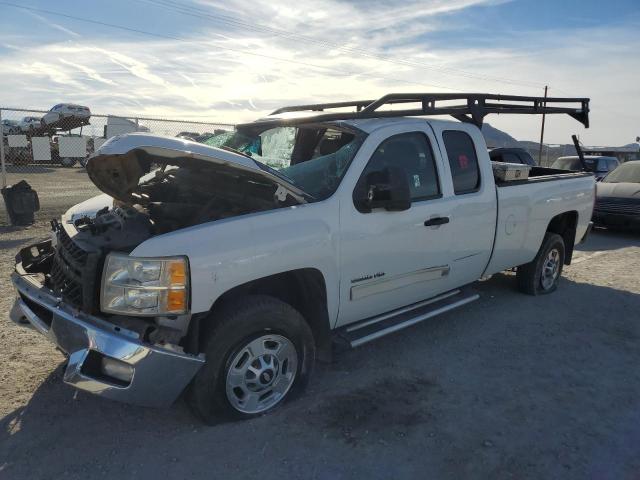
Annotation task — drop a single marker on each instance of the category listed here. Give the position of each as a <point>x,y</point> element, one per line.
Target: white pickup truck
<point>227,270</point>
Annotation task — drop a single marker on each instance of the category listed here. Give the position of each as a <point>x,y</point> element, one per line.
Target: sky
<point>236,60</point>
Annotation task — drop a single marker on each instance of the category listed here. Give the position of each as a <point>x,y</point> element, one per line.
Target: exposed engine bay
<point>173,197</point>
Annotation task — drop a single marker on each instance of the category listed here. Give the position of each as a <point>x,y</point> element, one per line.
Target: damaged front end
<point>157,185</point>
<point>176,183</point>
<point>124,358</point>
<point>132,346</point>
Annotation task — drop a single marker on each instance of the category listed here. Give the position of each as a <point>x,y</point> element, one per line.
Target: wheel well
<point>303,289</point>
<point>565,225</point>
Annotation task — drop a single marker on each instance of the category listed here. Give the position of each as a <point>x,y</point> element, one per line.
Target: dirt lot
<point>509,387</point>
<point>58,188</point>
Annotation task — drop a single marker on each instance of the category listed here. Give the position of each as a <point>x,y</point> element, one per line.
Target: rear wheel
<point>542,274</point>
<point>259,353</point>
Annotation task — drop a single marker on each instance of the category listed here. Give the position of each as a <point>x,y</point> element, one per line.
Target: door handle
<point>436,221</point>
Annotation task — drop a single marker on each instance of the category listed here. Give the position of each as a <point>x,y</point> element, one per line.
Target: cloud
<point>90,72</point>
<point>53,25</point>
<point>329,50</point>
<point>42,69</point>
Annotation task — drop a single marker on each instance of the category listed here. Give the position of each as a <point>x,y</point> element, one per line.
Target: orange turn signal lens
<point>177,273</point>
<point>177,300</point>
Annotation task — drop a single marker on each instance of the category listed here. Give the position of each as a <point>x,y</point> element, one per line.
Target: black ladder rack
<point>470,108</point>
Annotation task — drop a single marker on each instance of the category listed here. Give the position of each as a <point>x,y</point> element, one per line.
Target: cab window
<point>412,152</point>
<point>463,161</point>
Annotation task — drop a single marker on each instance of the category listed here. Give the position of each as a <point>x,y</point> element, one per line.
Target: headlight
<point>145,286</point>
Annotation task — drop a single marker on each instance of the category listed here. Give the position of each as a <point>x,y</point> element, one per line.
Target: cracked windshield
<point>312,158</point>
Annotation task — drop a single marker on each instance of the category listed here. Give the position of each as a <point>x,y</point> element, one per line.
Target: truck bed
<point>542,174</point>
<point>526,209</point>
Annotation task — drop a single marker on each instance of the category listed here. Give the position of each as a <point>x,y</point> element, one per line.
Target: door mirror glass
<point>388,188</point>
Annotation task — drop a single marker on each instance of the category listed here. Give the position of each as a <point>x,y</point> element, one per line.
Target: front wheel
<point>259,352</point>
<point>542,274</point>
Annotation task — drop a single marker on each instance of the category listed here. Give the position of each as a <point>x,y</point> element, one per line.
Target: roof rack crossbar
<point>472,108</point>
<point>320,107</point>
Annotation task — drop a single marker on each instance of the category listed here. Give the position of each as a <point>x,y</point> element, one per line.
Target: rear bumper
<point>159,374</point>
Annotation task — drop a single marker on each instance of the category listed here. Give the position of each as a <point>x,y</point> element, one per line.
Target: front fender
<point>228,253</point>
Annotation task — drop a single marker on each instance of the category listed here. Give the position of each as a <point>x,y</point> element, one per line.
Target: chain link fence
<point>49,149</point>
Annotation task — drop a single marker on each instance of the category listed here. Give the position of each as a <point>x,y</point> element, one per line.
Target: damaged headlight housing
<point>145,286</point>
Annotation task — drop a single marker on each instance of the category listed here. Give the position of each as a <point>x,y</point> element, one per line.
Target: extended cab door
<point>390,259</point>
<point>472,193</point>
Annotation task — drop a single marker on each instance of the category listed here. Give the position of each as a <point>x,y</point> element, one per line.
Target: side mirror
<point>388,188</point>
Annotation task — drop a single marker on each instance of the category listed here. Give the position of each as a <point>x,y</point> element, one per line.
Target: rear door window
<point>463,161</point>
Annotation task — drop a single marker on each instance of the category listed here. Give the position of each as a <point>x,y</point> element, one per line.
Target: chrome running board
<point>365,331</point>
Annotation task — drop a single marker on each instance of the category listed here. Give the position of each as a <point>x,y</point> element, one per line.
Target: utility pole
<point>3,167</point>
<point>542,129</point>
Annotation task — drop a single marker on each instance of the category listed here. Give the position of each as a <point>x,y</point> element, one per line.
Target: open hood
<point>119,165</point>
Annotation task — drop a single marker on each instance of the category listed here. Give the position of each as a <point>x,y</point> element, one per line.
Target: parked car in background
<point>10,127</point>
<point>66,111</point>
<point>618,198</point>
<point>29,124</point>
<point>600,166</point>
<point>511,155</point>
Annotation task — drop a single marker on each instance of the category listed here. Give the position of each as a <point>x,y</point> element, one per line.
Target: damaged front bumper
<point>158,375</point>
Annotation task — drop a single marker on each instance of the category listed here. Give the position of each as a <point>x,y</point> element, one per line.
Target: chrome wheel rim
<point>261,373</point>
<point>550,269</point>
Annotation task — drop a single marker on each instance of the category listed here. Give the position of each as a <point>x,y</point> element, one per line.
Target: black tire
<point>235,326</point>
<point>530,275</point>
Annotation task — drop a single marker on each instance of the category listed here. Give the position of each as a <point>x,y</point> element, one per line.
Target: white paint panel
<point>398,281</point>
<point>17,140</point>
<point>524,213</point>
<point>73,147</point>
<point>41,148</point>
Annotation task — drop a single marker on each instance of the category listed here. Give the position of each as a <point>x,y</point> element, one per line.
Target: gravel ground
<point>510,386</point>
<point>58,189</point>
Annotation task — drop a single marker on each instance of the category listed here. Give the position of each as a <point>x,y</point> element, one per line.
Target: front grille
<point>71,249</point>
<point>622,206</point>
<point>74,273</point>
